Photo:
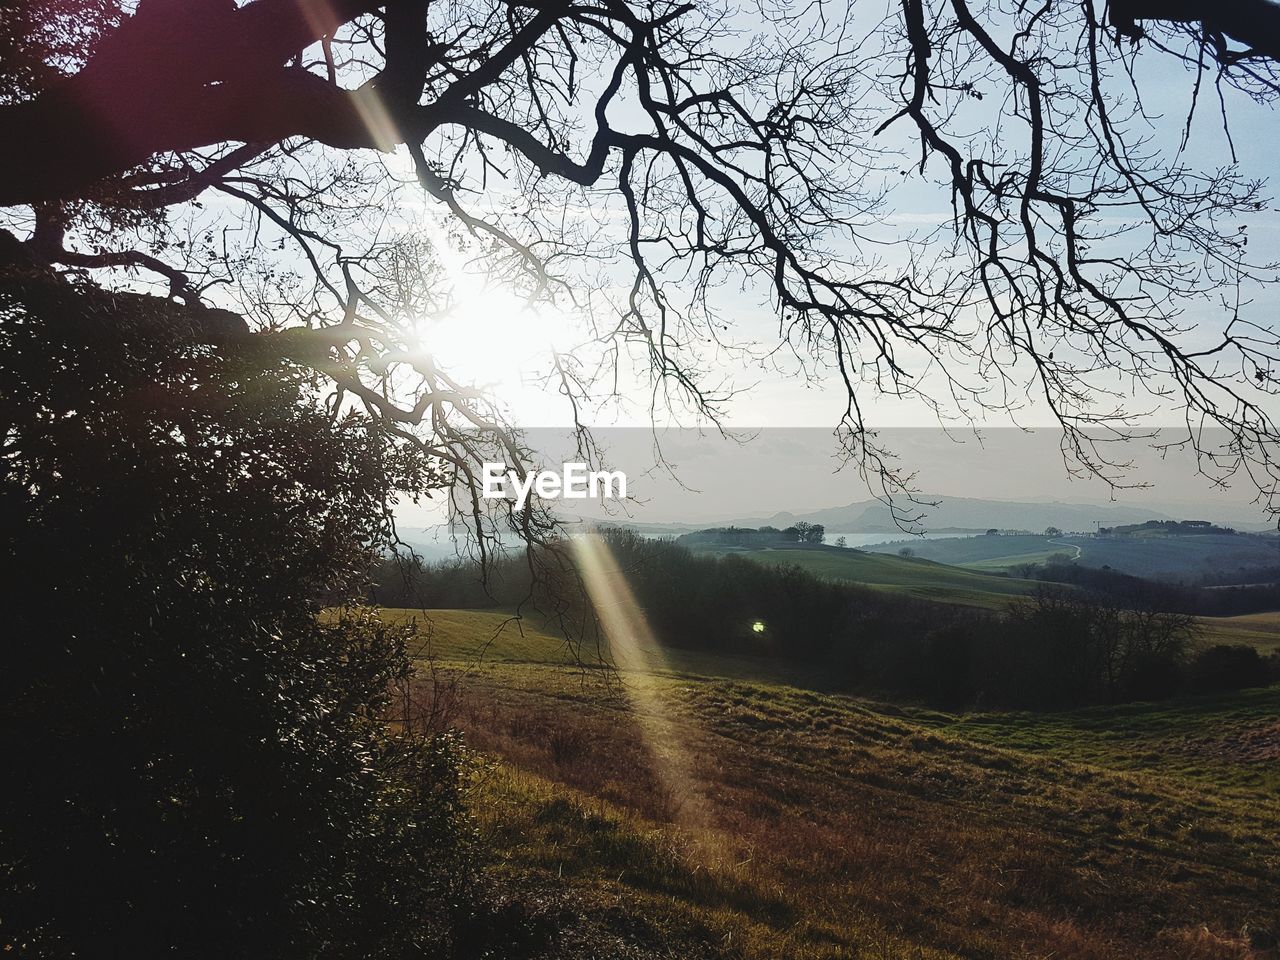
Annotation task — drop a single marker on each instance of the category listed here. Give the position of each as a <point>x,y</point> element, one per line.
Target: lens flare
<point>639,658</point>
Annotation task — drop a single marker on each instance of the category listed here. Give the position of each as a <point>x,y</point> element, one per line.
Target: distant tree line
<point>1167,528</point>
<point>1131,591</point>
<point>1240,576</point>
<point>800,532</point>
<point>1063,646</point>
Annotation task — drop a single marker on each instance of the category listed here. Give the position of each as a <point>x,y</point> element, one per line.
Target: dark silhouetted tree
<point>196,763</point>
<point>672,146</point>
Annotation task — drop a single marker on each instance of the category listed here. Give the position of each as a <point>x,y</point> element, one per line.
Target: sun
<point>495,340</point>
<point>493,337</point>
<point>489,335</point>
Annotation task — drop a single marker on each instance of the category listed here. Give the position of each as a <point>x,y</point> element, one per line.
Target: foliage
<point>1136,591</point>
<point>1167,528</point>
<point>804,532</point>
<point>1232,667</point>
<point>195,764</point>
<point>1078,647</point>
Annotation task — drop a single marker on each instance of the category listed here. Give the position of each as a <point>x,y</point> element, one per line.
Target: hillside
<point>1182,557</point>
<point>1260,630</point>
<point>657,815</point>
<point>917,577</point>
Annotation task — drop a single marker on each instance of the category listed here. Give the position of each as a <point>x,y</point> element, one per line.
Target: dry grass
<point>815,826</point>
<point>1261,630</point>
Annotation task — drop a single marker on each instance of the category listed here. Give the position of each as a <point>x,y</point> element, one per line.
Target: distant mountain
<point>964,513</point>
<point>951,515</point>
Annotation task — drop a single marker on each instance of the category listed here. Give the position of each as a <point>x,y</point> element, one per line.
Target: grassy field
<point>908,576</point>
<point>981,552</point>
<point>1261,630</point>
<point>1229,742</point>
<point>931,580</point>
<point>481,639</point>
<point>1173,557</point>
<point>678,813</point>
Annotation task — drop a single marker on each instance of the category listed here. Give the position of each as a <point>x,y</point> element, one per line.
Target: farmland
<point>979,585</point>
<point>916,577</point>
<point>711,809</point>
<point>1177,558</point>
<point>1261,630</point>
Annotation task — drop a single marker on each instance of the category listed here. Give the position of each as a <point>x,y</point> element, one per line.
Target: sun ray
<point>641,662</point>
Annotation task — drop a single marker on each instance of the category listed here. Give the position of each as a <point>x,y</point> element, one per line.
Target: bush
<point>1229,667</point>
<point>195,764</point>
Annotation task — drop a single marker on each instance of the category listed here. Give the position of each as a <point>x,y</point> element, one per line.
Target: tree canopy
<point>628,159</point>
<point>198,763</point>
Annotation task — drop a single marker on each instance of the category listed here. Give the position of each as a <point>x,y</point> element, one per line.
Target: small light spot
<point>758,626</point>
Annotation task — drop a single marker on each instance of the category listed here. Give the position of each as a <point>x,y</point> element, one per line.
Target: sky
<point>782,456</point>
<point>704,477</point>
<point>493,339</point>
<point>512,347</point>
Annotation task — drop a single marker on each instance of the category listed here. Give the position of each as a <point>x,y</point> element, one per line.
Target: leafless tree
<point>690,144</point>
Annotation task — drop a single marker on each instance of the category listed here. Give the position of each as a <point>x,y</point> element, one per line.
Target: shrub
<point>195,764</point>
<point>1228,667</point>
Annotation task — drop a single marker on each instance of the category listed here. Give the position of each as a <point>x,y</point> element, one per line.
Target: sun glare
<point>490,335</point>
<point>639,657</point>
<point>493,337</point>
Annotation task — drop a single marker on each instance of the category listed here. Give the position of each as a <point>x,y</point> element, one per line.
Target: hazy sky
<point>758,473</point>
<point>512,345</point>
<point>791,465</point>
<point>491,339</point>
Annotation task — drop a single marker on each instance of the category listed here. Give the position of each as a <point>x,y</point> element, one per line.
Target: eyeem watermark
<point>574,482</point>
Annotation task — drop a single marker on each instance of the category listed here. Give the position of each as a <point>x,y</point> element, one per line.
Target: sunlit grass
<point>654,884</point>
<point>637,652</point>
<point>1219,740</point>
<point>755,818</point>
<point>838,820</point>
<point>1261,630</point>
<point>480,637</point>
<point>913,577</point>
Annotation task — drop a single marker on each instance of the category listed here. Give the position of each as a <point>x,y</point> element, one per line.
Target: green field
<point>1183,557</point>
<point>925,579</point>
<point>466,636</point>
<point>981,552</point>
<point>482,639</point>
<point>1223,740</point>
<point>910,576</point>
<point>680,812</point>
<point>1261,630</point>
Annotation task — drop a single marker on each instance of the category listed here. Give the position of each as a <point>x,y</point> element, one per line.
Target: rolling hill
<point>660,814</point>
<point>916,577</point>
<point>966,513</point>
<point>1175,558</point>
<point>946,514</point>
